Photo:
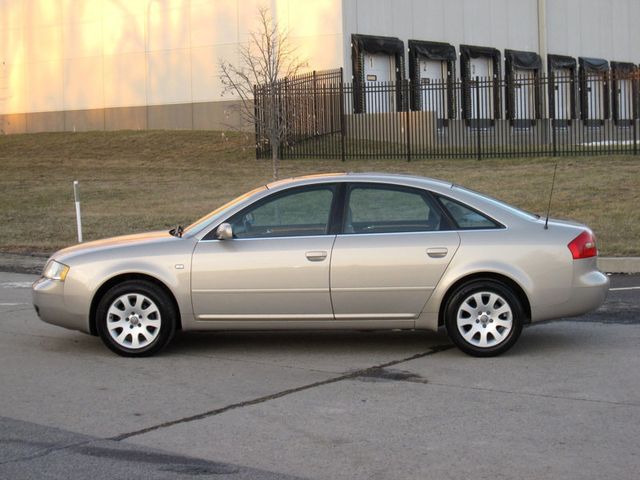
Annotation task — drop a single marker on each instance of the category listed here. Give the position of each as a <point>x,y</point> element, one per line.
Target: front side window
<point>388,210</point>
<point>300,213</point>
<point>465,217</point>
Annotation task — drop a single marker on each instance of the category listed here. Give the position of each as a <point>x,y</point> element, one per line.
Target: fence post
<point>315,104</point>
<point>256,118</point>
<point>635,136</point>
<point>478,140</point>
<point>283,122</point>
<point>551,82</point>
<point>342,128</point>
<point>407,119</point>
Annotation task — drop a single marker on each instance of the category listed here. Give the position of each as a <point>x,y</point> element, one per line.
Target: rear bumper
<point>49,302</point>
<point>588,291</point>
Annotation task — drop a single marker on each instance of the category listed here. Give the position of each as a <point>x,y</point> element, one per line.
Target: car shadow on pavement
<point>292,342</point>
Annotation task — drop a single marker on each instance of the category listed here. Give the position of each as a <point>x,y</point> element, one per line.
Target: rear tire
<point>484,318</point>
<point>136,318</point>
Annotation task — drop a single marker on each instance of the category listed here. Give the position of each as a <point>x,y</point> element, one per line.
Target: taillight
<point>583,246</point>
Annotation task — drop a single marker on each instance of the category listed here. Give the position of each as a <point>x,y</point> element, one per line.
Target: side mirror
<point>224,232</point>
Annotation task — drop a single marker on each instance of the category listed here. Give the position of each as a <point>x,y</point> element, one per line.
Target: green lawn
<point>136,181</point>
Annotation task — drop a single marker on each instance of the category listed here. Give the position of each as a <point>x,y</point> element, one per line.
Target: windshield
<point>506,206</point>
<point>198,224</point>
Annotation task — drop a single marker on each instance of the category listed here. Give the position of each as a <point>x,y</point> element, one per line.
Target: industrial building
<point>72,65</point>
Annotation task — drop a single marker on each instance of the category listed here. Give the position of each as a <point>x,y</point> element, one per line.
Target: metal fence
<point>523,115</point>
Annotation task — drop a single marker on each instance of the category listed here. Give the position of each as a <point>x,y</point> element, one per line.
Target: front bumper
<point>49,302</point>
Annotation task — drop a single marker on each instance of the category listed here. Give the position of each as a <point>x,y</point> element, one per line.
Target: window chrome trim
<point>268,238</point>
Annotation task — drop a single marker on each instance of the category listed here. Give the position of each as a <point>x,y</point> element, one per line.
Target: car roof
<point>500,211</point>
<point>375,177</point>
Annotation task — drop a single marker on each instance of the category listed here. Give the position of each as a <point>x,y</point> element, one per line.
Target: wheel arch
<point>123,277</point>
<point>507,281</point>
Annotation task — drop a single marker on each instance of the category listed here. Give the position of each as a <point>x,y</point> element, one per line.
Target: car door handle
<point>316,256</point>
<point>437,252</point>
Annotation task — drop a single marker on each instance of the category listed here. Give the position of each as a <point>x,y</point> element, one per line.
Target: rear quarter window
<point>465,217</point>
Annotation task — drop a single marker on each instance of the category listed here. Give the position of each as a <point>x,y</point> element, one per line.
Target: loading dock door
<point>524,95</point>
<point>433,87</point>
<point>482,93</point>
<point>379,70</point>
<point>562,88</point>
<point>625,99</point>
<point>595,96</point>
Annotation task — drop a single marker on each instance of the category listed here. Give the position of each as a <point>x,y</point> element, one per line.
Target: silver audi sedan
<point>337,251</point>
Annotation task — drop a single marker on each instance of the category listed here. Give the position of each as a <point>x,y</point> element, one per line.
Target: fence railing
<point>523,115</point>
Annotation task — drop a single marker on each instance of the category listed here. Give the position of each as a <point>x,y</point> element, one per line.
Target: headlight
<point>55,271</point>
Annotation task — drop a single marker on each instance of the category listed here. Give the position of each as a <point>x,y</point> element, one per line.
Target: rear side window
<point>465,217</point>
<point>376,209</point>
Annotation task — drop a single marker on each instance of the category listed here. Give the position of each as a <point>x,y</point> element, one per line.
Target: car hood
<point>139,239</point>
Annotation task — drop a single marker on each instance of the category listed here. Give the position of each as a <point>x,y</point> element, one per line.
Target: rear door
<point>393,250</point>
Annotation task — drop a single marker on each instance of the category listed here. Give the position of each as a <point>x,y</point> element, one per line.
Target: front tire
<point>484,318</point>
<point>136,318</point>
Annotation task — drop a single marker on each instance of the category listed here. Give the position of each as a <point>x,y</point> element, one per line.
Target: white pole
<point>542,34</point>
<point>76,196</point>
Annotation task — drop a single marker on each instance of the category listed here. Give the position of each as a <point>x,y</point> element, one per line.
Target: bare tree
<point>267,57</point>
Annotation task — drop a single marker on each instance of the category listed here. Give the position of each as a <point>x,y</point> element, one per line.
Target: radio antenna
<point>553,182</point>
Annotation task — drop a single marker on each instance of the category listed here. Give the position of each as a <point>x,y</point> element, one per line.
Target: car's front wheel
<point>135,318</point>
<point>484,318</point>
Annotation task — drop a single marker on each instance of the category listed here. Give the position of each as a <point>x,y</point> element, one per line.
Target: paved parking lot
<point>564,403</point>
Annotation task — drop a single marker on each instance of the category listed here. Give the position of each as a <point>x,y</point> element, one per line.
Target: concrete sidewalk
<point>10,262</point>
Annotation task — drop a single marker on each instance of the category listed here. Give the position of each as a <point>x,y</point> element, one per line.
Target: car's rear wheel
<point>135,318</point>
<point>484,318</point>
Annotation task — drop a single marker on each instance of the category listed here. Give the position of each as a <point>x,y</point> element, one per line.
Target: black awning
<point>593,64</point>
<point>471,51</point>
<point>375,44</point>
<point>561,61</point>
<point>623,67</point>
<point>522,60</point>
<point>433,50</point>
<point>467,52</point>
<point>437,51</point>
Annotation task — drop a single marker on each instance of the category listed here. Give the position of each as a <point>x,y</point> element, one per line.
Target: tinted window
<point>383,210</point>
<point>465,217</point>
<point>304,212</point>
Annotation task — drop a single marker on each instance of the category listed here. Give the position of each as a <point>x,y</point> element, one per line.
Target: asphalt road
<point>563,403</point>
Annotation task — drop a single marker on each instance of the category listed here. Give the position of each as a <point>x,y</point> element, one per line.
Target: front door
<point>277,265</point>
<point>391,254</point>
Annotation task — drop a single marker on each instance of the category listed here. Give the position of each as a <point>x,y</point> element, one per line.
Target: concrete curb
<point>11,262</point>
<point>619,264</point>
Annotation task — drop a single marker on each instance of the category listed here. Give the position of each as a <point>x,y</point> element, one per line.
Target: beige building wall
<point>135,64</point>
